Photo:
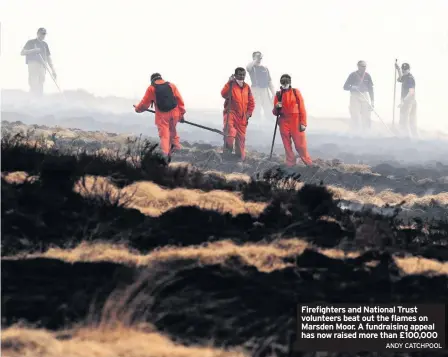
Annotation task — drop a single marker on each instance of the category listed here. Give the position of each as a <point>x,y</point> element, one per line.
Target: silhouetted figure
<point>38,56</point>
<point>262,87</point>
<point>359,83</point>
<point>408,104</point>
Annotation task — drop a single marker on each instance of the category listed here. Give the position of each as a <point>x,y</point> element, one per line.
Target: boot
<point>227,153</point>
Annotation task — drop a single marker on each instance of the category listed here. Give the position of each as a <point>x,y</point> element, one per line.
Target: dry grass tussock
<point>153,200</point>
<point>100,342</point>
<point>355,168</point>
<point>17,177</point>
<point>40,144</point>
<point>265,257</point>
<point>368,195</point>
<point>39,134</point>
<point>234,178</point>
<point>340,166</point>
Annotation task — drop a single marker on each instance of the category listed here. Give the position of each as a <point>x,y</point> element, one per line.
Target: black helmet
<point>155,76</point>
<point>405,66</point>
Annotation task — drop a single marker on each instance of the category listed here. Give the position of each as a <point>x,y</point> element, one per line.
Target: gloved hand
<point>278,105</point>
<point>232,78</point>
<point>302,128</point>
<point>36,50</point>
<point>355,88</point>
<point>182,120</point>
<point>137,109</point>
<point>397,67</point>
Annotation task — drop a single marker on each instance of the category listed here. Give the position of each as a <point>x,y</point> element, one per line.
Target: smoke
<point>328,138</point>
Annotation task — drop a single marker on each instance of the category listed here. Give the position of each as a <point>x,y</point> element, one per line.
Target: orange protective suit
<point>292,115</point>
<point>242,105</point>
<point>165,121</point>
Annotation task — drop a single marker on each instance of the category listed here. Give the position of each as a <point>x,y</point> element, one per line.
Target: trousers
<point>36,77</point>
<point>289,131</point>
<point>408,119</point>
<point>235,127</point>
<point>360,111</point>
<point>166,123</point>
<point>263,102</point>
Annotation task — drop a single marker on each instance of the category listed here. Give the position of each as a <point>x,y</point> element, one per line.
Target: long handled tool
<point>395,91</point>
<point>275,131</point>
<point>51,74</point>
<point>373,109</point>
<point>194,124</point>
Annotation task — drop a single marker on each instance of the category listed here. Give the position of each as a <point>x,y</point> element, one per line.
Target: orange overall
<point>242,105</point>
<point>292,115</point>
<point>165,121</point>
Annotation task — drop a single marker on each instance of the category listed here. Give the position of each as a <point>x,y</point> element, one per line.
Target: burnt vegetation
<point>47,211</point>
<point>194,303</point>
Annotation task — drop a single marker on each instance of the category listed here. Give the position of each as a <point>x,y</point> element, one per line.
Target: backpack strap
<point>279,95</point>
<point>298,101</point>
<point>297,97</point>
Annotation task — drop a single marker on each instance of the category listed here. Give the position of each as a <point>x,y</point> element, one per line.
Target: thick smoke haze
<point>111,48</point>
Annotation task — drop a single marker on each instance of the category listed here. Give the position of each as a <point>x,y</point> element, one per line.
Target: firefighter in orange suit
<point>169,108</point>
<point>290,107</point>
<point>238,108</point>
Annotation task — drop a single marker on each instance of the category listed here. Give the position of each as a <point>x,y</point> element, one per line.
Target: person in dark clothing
<point>359,83</point>
<point>408,104</point>
<point>37,55</point>
<point>262,86</point>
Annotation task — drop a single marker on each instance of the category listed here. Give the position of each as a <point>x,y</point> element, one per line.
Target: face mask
<point>240,82</point>
<point>285,86</point>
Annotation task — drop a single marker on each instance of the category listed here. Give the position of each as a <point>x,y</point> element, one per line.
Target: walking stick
<point>273,138</point>
<point>275,129</point>
<point>395,89</point>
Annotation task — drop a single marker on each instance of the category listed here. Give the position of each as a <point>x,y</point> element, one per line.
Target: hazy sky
<point>112,47</point>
